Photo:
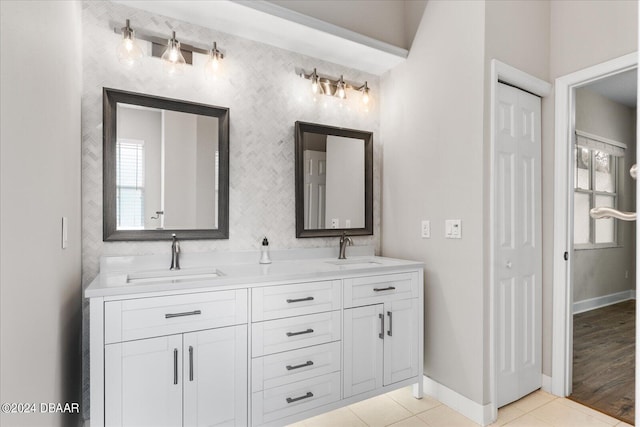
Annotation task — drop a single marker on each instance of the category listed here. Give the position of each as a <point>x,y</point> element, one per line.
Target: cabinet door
<point>215,377</point>
<point>401,340</point>
<point>143,382</point>
<point>363,349</point>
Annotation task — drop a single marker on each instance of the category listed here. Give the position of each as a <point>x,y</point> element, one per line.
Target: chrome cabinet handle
<point>175,366</point>
<point>190,363</point>
<point>300,299</point>
<point>390,331</point>
<point>381,334</point>
<point>388,288</point>
<point>295,399</point>
<point>308,363</point>
<point>186,313</point>
<point>293,334</point>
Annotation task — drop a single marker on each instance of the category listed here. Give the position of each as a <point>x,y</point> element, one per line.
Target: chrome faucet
<point>344,241</point>
<point>175,254</point>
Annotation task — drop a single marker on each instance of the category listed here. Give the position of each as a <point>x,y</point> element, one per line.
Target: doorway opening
<point>604,249</point>
<point>590,171</point>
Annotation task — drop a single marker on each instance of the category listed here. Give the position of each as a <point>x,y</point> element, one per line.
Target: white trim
<point>546,383</point>
<point>602,301</point>
<point>480,414</point>
<point>563,210</point>
<point>510,75</point>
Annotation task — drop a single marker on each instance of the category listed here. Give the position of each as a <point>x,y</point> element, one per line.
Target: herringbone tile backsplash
<point>265,98</point>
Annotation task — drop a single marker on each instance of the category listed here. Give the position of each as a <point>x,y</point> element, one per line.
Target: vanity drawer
<point>276,403</point>
<point>156,316</point>
<point>378,289</point>
<point>274,302</point>
<point>284,368</point>
<point>274,336</point>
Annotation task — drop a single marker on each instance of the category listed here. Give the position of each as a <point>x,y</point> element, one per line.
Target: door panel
<point>142,386</point>
<point>363,349</point>
<point>401,344</point>
<point>517,231</point>
<point>215,377</point>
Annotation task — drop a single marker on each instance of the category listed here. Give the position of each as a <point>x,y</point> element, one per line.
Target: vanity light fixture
<point>128,51</point>
<point>334,87</point>
<point>174,55</point>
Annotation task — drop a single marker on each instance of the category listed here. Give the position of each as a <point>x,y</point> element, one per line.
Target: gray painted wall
<point>40,291</point>
<point>432,110</point>
<point>599,272</point>
<point>436,150</point>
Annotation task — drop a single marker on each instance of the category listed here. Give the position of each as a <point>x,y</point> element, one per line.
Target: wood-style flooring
<point>604,360</point>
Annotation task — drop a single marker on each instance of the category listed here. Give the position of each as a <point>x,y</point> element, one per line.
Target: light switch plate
<point>453,229</point>
<point>425,229</point>
<point>347,223</point>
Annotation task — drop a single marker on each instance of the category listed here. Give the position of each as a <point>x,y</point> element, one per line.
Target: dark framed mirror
<point>334,181</point>
<point>165,168</point>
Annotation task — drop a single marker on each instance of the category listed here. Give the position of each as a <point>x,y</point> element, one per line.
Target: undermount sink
<point>352,262</point>
<point>174,275</point>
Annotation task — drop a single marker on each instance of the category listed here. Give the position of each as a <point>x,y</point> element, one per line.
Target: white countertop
<point>234,270</point>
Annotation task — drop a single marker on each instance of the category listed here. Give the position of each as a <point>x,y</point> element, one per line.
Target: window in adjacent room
<point>130,184</point>
<point>596,185</point>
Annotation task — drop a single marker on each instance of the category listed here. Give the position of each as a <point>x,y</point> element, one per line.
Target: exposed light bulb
<point>128,51</point>
<point>340,89</point>
<point>172,57</point>
<point>213,62</point>
<point>365,94</point>
<point>314,82</point>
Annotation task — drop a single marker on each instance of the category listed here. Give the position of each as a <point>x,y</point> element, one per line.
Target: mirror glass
<point>334,181</point>
<point>166,168</point>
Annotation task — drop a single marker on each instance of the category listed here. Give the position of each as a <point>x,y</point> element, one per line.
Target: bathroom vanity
<point>226,341</point>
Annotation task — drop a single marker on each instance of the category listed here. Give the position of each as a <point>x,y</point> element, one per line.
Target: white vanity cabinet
<point>381,340</point>
<point>193,378</point>
<point>252,348</point>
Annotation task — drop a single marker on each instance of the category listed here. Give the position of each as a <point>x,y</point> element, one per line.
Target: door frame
<point>565,86</point>
<point>501,73</point>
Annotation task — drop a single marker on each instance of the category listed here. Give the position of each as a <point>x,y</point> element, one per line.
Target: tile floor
<point>400,409</point>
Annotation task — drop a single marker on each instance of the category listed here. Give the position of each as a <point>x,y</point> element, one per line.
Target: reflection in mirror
<point>165,168</point>
<point>333,181</point>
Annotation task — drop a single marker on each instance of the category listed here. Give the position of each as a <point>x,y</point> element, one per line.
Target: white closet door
<point>517,233</point>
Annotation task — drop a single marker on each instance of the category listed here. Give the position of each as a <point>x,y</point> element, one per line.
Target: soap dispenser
<point>264,257</point>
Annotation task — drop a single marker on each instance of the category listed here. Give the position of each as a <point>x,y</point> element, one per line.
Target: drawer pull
<point>295,399</point>
<point>293,334</point>
<point>175,366</point>
<point>300,299</point>
<point>390,331</point>
<point>388,288</point>
<point>186,313</point>
<point>290,368</point>
<point>381,334</point>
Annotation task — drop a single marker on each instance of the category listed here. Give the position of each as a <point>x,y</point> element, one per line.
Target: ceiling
<point>621,88</point>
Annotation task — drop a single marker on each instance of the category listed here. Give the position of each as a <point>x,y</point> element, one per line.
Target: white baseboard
<point>603,301</point>
<point>546,383</point>
<point>480,414</point>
